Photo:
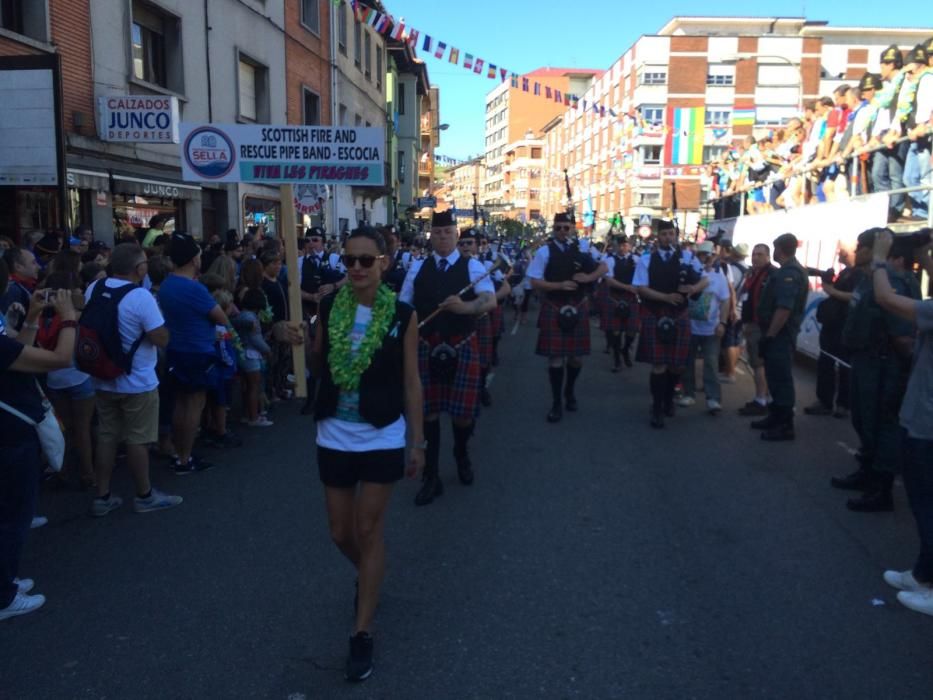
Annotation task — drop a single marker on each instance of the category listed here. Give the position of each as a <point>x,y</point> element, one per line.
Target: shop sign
<point>28,135</point>
<point>137,118</point>
<point>308,198</point>
<point>101,199</point>
<point>322,155</point>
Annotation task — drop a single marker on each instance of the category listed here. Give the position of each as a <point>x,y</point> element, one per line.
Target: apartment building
<point>514,109</point>
<point>768,65</point>
<point>461,183</point>
<point>431,128</point>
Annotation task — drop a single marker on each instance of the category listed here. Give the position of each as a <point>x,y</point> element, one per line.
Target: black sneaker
<point>193,466</point>
<point>360,659</point>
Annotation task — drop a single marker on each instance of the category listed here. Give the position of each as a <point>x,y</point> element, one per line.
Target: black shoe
<point>464,468</point>
<point>753,408</point>
<point>876,501</point>
<point>485,398</point>
<point>430,489</point>
<point>779,433</point>
<point>360,659</point>
<point>818,409</point>
<point>765,423</point>
<point>193,466</point>
<point>556,413</point>
<point>859,480</point>
<point>570,403</point>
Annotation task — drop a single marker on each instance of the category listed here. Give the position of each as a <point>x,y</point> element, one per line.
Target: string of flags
<point>387,25</point>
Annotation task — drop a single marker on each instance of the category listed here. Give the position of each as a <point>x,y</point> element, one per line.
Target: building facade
<point>767,65</point>
<point>461,183</point>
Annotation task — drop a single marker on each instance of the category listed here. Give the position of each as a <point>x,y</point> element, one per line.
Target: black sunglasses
<point>366,261</point>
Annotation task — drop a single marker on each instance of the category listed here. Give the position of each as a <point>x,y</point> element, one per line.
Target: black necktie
<point>442,265</point>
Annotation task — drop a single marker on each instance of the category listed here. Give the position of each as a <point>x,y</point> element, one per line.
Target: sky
<point>521,35</point>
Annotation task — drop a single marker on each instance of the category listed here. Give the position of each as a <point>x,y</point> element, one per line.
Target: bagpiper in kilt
<point>623,307</point>
<point>559,270</point>
<point>491,327</point>
<point>448,351</point>
<point>664,278</point>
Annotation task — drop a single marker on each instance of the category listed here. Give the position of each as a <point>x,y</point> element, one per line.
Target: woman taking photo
<point>366,355</point>
<point>19,441</point>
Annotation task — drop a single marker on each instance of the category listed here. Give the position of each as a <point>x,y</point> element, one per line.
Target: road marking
<point>515,328</point>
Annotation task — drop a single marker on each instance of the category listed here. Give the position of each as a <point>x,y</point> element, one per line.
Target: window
<point>718,116</point>
<point>378,67</point>
<point>649,199</point>
<point>342,28</point>
<point>650,155</point>
<point>11,15</point>
<point>401,166</point>
<point>654,75</point>
<point>711,153</point>
<point>535,153</point>
<point>311,15</point>
<point>368,54</point>
<point>27,17</point>
<point>653,114</point>
<point>357,44</point>
<point>357,120</point>
<point>312,108</point>
<point>248,101</point>
<point>342,111</point>
<point>401,98</point>
<point>720,75</point>
<point>155,39</point>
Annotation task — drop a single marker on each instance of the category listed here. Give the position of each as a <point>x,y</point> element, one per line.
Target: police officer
<point>559,270</point>
<point>780,312</point>
<point>622,314</point>
<point>664,278</point>
<point>881,345</point>
<point>448,360</point>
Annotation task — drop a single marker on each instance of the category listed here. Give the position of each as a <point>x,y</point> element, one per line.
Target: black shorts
<point>343,470</point>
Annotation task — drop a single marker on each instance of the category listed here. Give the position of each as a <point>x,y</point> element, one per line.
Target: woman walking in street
<point>365,353</point>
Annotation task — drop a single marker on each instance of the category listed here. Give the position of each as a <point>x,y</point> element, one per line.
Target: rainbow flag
<point>743,115</point>
<point>683,140</point>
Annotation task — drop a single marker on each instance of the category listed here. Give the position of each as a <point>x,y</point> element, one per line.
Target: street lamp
<point>735,58</point>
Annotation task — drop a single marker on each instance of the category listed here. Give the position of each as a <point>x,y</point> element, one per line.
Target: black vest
<point>663,277</point>
<point>561,266</point>
<point>394,277</point>
<point>433,286</point>
<point>624,270</point>
<point>382,384</point>
<point>310,275</point>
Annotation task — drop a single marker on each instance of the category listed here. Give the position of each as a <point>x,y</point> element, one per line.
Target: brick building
<point>770,65</point>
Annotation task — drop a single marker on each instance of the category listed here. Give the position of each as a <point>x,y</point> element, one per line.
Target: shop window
<point>311,15</point>
<point>252,90</point>
<point>342,28</point>
<point>156,47</point>
<point>311,115</point>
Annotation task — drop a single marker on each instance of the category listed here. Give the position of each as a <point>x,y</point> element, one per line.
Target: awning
<point>88,180</point>
<point>145,187</point>
<point>128,178</point>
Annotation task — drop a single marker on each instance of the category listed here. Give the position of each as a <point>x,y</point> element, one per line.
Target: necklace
<point>346,368</point>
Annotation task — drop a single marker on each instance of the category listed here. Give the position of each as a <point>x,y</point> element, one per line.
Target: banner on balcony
<point>683,142</point>
<point>323,155</point>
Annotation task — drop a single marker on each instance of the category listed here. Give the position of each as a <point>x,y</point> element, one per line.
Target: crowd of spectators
<point>873,136</point>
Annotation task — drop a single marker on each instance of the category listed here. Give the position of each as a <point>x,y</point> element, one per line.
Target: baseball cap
<point>183,249</point>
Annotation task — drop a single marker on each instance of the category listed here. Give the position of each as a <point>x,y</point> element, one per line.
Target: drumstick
<point>466,289</point>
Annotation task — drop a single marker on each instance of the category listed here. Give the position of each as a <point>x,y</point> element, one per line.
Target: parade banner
<point>259,153</point>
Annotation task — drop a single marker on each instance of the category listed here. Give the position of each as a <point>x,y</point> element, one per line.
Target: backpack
<point>99,350</point>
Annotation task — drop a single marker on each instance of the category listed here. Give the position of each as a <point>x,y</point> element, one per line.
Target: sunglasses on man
<point>365,261</point>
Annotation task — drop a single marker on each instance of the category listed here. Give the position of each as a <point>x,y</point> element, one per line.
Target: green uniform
<point>785,288</point>
<point>879,374</point>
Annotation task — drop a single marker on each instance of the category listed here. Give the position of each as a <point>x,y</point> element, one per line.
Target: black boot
<point>670,386</point>
<point>627,350</point>
<point>431,486</point>
<point>859,480</point>
<point>768,421</point>
<point>658,383</point>
<point>556,375</point>
<point>464,467</point>
<point>570,400</point>
<point>485,398</point>
<point>783,428</point>
<point>878,498</point>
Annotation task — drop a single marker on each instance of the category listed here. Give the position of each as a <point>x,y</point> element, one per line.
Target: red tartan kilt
<point>553,342</point>
<point>630,325</point>
<point>650,350</point>
<point>601,298</point>
<point>498,321</point>
<point>459,398</point>
<point>485,334</point>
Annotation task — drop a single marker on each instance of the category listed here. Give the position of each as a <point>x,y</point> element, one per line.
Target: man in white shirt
<point>919,127</point>
<point>887,165</point>
<point>128,406</point>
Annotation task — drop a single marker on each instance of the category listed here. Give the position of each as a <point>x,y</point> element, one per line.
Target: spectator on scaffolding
<point>837,119</point>
<point>857,138</point>
<point>756,172</point>
<point>887,167</point>
<point>917,127</point>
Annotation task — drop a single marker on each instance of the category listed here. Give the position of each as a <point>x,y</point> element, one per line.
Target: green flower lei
<point>345,368</point>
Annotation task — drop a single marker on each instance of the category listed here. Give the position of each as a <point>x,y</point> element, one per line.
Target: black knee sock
<point>572,374</point>
<point>658,384</point>
<point>557,381</point>
<point>462,435</point>
<point>432,434</point>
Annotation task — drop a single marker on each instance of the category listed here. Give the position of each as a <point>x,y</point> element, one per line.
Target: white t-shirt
<point>138,314</point>
<point>347,431</point>
<point>718,288</point>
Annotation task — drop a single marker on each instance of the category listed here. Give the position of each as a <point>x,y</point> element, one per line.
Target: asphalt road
<point>595,558</point>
